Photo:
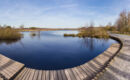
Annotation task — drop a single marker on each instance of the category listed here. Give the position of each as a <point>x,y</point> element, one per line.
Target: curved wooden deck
<point>119,67</point>
<point>10,69</point>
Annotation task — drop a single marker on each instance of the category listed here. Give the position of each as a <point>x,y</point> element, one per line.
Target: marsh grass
<point>9,34</point>
<point>91,32</point>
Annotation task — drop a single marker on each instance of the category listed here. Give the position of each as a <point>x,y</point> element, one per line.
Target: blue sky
<point>60,13</point>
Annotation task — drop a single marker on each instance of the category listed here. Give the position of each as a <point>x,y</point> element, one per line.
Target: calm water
<point>51,50</point>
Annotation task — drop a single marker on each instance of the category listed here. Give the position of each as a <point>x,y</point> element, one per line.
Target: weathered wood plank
<point>51,75</point>
<point>21,75</point>
<point>82,72</point>
<point>76,75</point>
<point>59,75</point>
<point>43,75</point>
<point>32,74</point>
<point>67,74</point>
<point>70,75</point>
<point>40,75</point>
<point>55,75</point>
<point>47,75</point>
<point>26,75</point>
<point>35,75</point>
<point>63,75</point>
<point>9,67</point>
<point>79,73</point>
<point>86,70</point>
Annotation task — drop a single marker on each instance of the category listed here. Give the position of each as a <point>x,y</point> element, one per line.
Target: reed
<point>9,34</point>
<point>91,32</point>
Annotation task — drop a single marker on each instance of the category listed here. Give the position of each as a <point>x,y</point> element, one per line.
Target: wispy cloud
<point>60,13</point>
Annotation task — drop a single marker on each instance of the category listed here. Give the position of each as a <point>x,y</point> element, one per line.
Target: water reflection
<point>34,34</point>
<point>8,42</point>
<point>92,42</point>
<point>88,42</point>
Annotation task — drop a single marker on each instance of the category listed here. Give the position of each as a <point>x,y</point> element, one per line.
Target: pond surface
<point>50,50</point>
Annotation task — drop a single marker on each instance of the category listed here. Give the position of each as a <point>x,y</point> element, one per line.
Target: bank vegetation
<point>91,31</point>
<point>8,33</point>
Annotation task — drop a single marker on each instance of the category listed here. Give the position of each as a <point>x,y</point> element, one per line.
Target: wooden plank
<point>55,74</point>
<point>67,74</point>
<point>59,75</point>
<point>47,75</point>
<point>9,67</point>
<point>73,75</point>
<point>29,74</point>
<point>78,72</point>
<point>43,75</point>
<point>5,73</point>
<point>8,72</point>
<point>63,75</point>
<point>40,75</point>
<point>32,74</point>
<point>11,71</point>
<point>82,72</point>
<point>51,75</point>
<point>93,67</point>
<point>4,70</point>
<point>26,75</point>
<point>90,69</point>
<point>21,75</point>
<point>86,70</point>
<point>35,75</point>
<point>98,66</point>
<point>70,74</point>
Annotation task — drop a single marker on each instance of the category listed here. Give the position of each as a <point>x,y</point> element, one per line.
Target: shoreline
<point>95,66</point>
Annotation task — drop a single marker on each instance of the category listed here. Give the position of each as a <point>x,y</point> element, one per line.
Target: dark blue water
<point>50,50</point>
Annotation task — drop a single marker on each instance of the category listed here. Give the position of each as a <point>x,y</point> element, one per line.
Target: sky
<point>60,13</point>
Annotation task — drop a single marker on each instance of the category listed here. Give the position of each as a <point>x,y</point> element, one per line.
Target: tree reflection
<point>8,42</point>
<point>91,42</point>
<point>88,42</point>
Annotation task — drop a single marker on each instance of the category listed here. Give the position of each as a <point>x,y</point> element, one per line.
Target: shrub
<point>91,32</point>
<point>94,32</point>
<point>9,34</point>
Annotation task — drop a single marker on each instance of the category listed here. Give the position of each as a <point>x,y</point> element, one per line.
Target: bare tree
<point>128,21</point>
<point>122,21</point>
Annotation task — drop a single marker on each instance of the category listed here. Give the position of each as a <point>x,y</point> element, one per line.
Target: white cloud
<point>65,13</point>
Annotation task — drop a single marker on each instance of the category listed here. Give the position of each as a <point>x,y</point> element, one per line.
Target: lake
<point>50,50</point>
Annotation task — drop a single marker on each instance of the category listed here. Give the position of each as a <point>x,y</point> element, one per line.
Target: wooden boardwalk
<point>83,72</point>
<point>119,67</point>
<point>9,67</point>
